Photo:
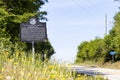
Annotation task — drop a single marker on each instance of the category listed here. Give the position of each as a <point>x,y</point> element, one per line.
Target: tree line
<point>99,49</point>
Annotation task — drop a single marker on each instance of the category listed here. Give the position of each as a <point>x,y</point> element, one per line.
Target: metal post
<point>112,58</point>
<point>33,52</point>
<point>43,58</point>
<point>105,24</point>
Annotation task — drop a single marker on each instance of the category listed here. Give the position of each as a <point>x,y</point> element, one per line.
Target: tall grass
<point>20,67</point>
<point>24,69</point>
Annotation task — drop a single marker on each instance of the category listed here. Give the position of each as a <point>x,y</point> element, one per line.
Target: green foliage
<point>90,50</point>
<point>22,68</point>
<point>43,48</point>
<point>99,49</point>
<point>14,12</point>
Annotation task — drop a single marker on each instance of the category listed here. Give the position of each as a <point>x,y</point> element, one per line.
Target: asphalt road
<point>110,74</point>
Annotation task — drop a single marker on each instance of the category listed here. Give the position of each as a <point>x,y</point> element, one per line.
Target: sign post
<point>112,53</point>
<point>33,31</point>
<point>33,51</point>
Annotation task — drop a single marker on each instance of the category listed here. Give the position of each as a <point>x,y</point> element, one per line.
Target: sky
<point>70,22</point>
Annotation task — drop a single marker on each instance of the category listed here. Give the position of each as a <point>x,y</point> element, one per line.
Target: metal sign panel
<point>112,53</point>
<point>33,32</point>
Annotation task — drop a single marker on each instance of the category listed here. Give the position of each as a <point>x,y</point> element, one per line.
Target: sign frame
<point>35,26</point>
<point>36,32</point>
<point>112,53</point>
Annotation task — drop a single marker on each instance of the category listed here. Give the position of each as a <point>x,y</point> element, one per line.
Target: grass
<point>26,70</point>
<point>110,65</point>
<point>114,65</point>
<point>81,77</point>
<point>22,68</point>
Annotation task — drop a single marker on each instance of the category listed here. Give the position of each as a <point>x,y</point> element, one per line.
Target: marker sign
<point>33,32</point>
<point>112,53</point>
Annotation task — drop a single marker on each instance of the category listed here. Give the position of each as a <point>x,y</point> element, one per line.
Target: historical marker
<point>33,30</point>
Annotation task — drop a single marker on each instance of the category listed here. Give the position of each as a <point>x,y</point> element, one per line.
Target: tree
<point>19,11</point>
<point>116,36</point>
<point>45,49</point>
<point>81,54</point>
<point>14,12</point>
<point>116,0</point>
<point>100,48</point>
<point>92,50</point>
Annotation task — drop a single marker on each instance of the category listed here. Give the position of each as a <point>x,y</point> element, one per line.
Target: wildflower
<point>10,60</point>
<point>29,74</point>
<point>8,77</point>
<point>3,69</point>
<point>51,67</point>
<point>52,76</point>
<point>42,79</point>
<point>63,78</point>
<point>22,73</point>
<point>35,72</point>
<point>15,63</point>
<point>78,75</point>
<point>6,53</point>
<point>1,76</point>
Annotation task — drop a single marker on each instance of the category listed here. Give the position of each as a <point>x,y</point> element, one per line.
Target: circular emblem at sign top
<point>32,21</point>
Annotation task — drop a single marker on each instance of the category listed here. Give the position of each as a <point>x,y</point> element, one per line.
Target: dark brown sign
<point>33,31</point>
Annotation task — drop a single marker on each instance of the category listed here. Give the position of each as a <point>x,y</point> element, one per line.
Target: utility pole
<point>105,24</point>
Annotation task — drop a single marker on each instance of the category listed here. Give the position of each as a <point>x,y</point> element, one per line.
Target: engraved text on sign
<point>35,33</point>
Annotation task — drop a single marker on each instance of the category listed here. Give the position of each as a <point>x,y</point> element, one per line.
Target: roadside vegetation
<point>23,68</point>
<point>109,64</point>
<point>15,56</point>
<point>12,14</point>
<point>98,50</point>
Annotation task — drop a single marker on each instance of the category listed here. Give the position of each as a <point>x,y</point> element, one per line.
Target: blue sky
<point>70,22</point>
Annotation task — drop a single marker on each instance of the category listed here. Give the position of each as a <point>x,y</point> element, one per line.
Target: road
<point>110,74</point>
